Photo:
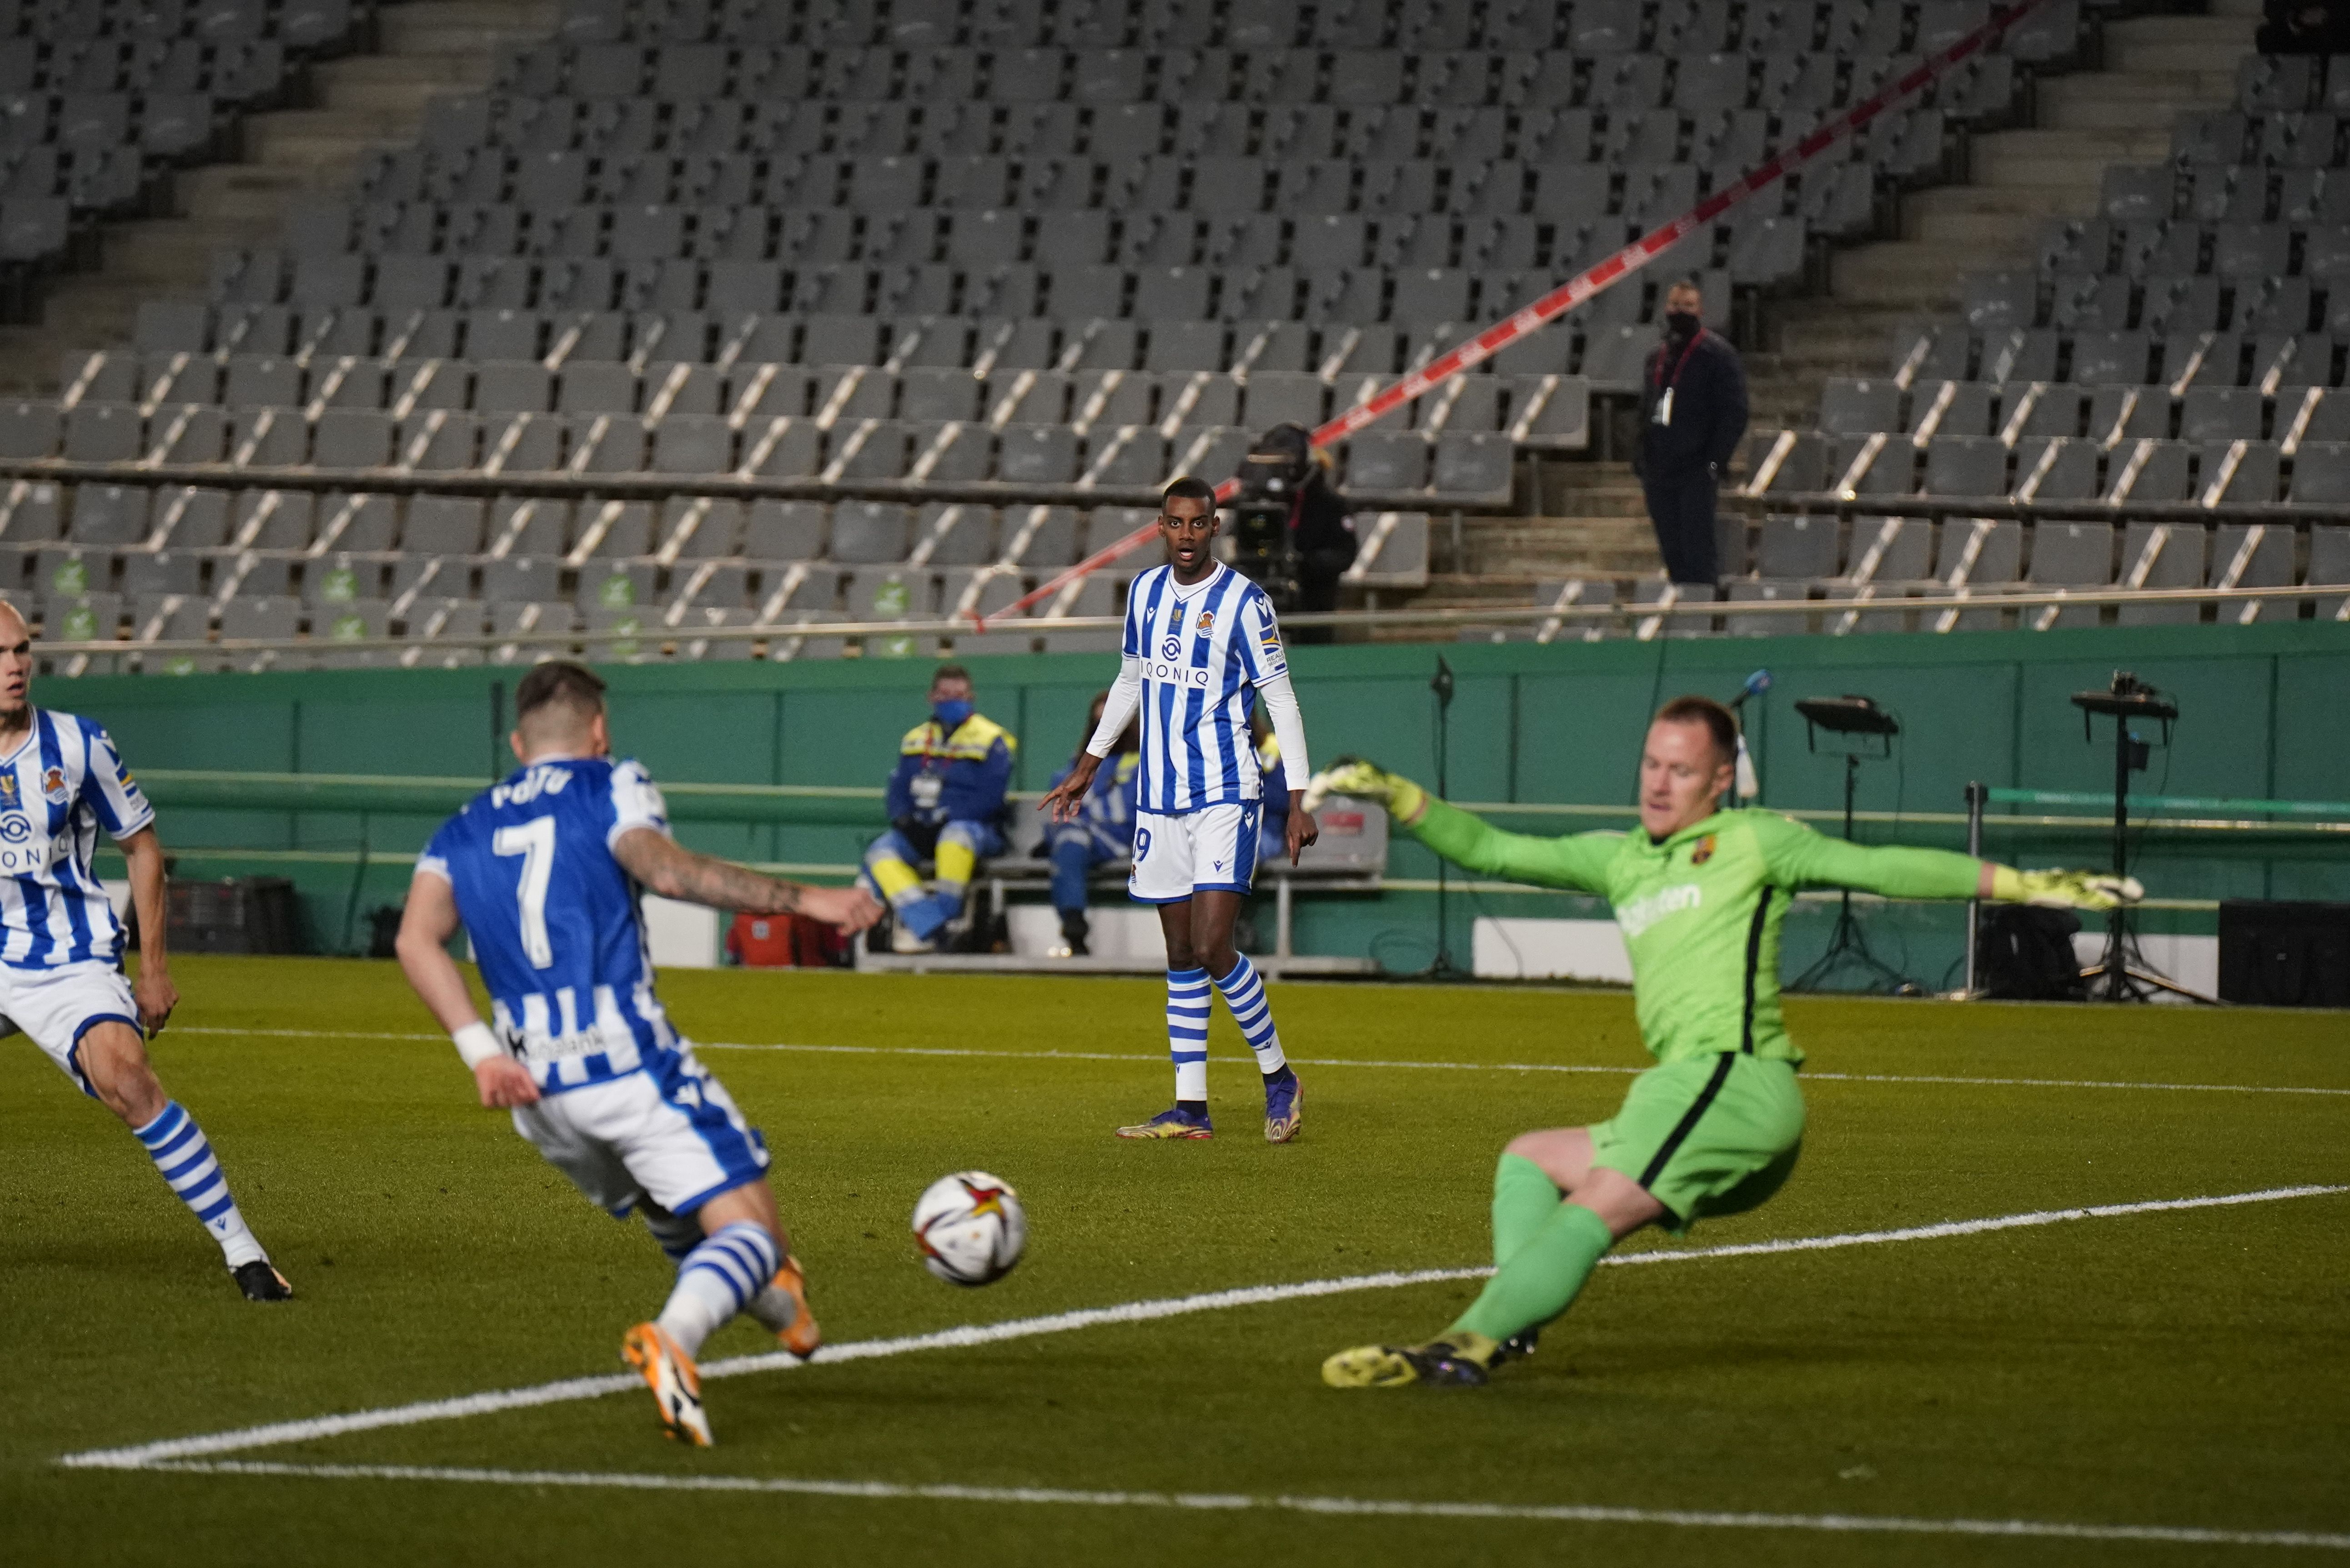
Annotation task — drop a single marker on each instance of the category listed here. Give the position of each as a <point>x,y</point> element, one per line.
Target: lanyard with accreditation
<point>1664,414</point>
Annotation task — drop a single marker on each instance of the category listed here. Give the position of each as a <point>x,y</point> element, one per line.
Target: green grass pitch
<point>2182,1369</point>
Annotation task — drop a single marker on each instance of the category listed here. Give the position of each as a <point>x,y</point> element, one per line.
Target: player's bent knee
<point>1563,1153</point>
<point>753,1202</point>
<point>1622,1203</point>
<point>114,1060</point>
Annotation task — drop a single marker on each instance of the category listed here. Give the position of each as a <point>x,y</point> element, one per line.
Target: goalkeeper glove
<point>1364,780</point>
<point>2063,889</point>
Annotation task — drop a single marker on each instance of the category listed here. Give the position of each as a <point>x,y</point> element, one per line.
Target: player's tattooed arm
<point>673,871</point>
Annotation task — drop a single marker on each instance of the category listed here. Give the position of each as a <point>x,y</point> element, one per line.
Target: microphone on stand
<point>1750,783</point>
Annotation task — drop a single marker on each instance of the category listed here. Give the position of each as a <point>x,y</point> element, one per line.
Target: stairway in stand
<point>424,49</point>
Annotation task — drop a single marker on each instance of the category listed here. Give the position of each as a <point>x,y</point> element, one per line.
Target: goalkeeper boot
<point>782,1308</point>
<point>1284,1110</point>
<point>1458,1360</point>
<point>261,1282</point>
<point>1517,1347</point>
<point>1175,1123</point>
<point>675,1381</point>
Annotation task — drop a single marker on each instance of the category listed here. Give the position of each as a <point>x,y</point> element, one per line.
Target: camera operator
<point>1292,535</point>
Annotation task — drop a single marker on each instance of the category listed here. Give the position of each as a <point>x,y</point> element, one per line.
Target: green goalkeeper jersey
<point>1701,913</point>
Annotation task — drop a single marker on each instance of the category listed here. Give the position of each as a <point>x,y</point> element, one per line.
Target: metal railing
<point>2007,507</point>
<point>563,484</point>
<point>1642,621</point>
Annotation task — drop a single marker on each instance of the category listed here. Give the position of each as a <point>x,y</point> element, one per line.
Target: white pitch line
<point>1384,1508</point>
<point>1623,1072</point>
<point>489,1402</point>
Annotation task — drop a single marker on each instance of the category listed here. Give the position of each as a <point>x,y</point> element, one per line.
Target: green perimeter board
<point>1530,724</point>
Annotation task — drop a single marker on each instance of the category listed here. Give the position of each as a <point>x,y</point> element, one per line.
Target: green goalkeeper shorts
<point>1707,1135</point>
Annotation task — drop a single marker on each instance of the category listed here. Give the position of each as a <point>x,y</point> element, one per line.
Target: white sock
<point>720,1277</point>
<point>184,1156</point>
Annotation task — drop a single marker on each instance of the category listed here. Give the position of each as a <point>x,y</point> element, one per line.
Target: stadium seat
<point>1798,546</point>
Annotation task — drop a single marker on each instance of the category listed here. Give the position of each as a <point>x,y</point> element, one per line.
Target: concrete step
<point>2071,160</point>
<point>241,190</point>
<point>429,47</point>
<point>270,138</point>
<point>175,251</point>
<point>2140,100</point>
<point>2134,54</point>
<point>398,85</point>
<point>460,26</point>
<point>2210,32</point>
<point>1980,224</point>
<point>1908,273</point>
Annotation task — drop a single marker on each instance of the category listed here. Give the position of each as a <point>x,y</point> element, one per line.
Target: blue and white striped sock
<point>720,1277</point>
<point>184,1156</point>
<point>1244,994</point>
<point>1188,1002</point>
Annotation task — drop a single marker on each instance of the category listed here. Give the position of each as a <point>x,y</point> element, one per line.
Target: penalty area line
<point>150,1455</point>
<point>1605,1070</point>
<point>1328,1506</point>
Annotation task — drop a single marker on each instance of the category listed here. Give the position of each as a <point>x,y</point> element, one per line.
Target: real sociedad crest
<point>53,784</point>
<point>1207,621</point>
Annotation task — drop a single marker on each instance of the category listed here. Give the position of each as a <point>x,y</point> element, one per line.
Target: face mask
<point>1680,323</point>
<point>951,713</point>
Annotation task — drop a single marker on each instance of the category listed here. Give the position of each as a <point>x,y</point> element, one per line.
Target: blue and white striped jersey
<point>1204,649</point>
<point>554,917</point>
<point>60,785</point>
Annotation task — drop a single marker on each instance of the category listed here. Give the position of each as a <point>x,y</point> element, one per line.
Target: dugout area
<point>2150,1374</point>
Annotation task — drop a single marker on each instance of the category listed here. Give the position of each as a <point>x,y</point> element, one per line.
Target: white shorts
<point>55,1007</point>
<point>667,1132</point>
<point>1208,850</point>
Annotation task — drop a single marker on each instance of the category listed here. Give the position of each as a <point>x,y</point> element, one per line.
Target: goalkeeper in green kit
<point>1715,1127</point>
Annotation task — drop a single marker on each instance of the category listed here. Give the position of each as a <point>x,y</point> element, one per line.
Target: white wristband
<point>476,1043</point>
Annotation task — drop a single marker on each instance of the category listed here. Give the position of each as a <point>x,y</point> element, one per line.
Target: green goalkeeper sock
<point>1524,1200</point>
<point>1541,1279</point>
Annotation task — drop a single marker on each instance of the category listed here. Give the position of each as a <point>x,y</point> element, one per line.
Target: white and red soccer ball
<point>970,1228</point>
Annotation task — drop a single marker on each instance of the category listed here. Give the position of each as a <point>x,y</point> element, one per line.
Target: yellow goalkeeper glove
<point>2063,889</point>
<point>1364,781</point>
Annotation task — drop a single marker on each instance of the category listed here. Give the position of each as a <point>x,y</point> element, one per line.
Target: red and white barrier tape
<point>1576,290</point>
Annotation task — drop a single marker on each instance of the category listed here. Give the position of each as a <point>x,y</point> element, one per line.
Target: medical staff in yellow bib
<point>946,802</point>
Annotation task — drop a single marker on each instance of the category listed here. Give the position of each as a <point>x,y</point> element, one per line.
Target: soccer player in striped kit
<point>544,871</point>
<point>61,980</point>
<point>1201,644</point>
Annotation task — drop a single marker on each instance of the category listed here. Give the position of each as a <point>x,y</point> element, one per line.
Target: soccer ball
<point>970,1228</point>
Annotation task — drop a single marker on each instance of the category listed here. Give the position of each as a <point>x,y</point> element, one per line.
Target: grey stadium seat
<point>1858,407</point>
<point>1472,465</point>
<point>1387,461</point>
<point>2162,555</point>
<point>1797,546</point>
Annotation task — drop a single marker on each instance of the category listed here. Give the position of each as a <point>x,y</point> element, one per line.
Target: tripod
<point>1441,966</point>
<point>2114,978</point>
<point>1857,720</point>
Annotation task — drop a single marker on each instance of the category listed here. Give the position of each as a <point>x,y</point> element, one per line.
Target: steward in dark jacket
<point>1692,416</point>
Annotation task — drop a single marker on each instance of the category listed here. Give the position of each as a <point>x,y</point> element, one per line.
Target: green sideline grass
<point>2184,1369</point>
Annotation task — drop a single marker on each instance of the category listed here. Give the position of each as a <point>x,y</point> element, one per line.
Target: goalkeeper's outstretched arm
<point>1578,861</point>
<point>1803,857</point>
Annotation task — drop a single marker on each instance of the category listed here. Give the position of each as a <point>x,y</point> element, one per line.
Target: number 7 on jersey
<point>534,842</point>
